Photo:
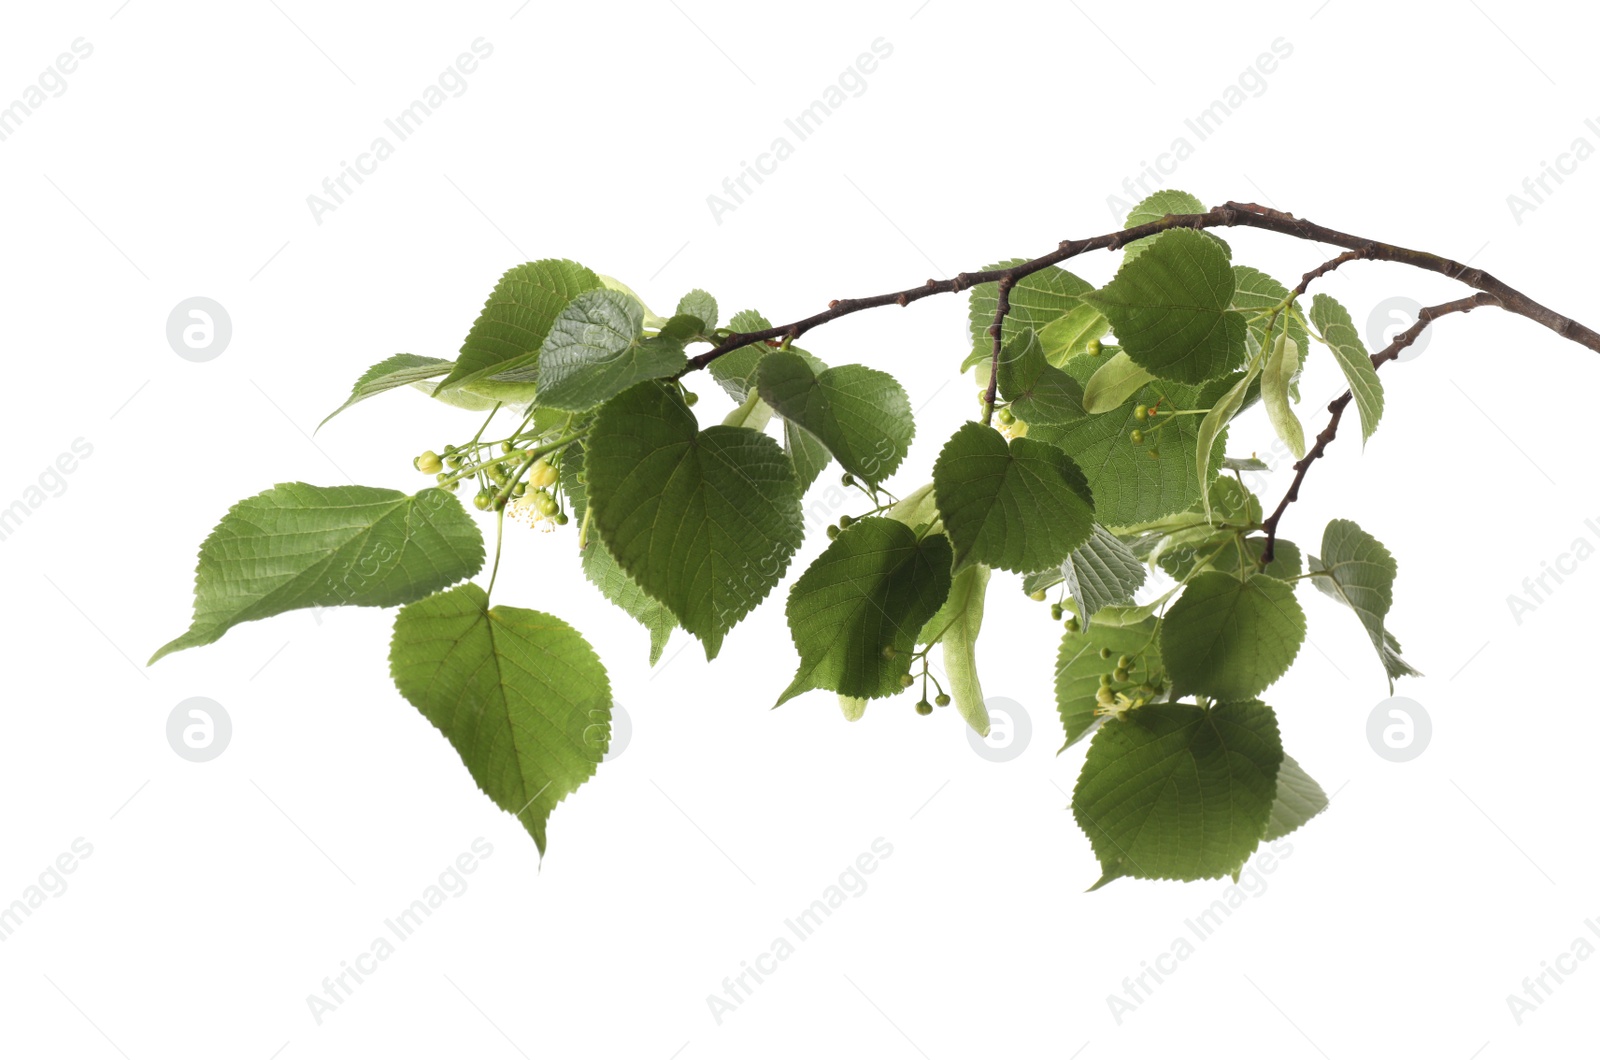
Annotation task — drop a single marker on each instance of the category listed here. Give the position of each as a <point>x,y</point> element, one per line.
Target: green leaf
<point>1255,292</point>
<point>1213,431</point>
<point>955,629</point>
<point>702,307</point>
<point>518,316</point>
<point>808,456</point>
<point>1021,507</point>
<point>1169,308</point>
<point>1286,559</point>
<point>602,568</point>
<point>705,521</point>
<point>1036,300</point>
<point>1359,572</point>
<point>1174,791</point>
<point>1072,333</point>
<point>649,316</point>
<point>519,694</point>
<point>860,414</point>
<point>1129,487</point>
<point>735,371</point>
<point>1155,208</point>
<point>1100,572</point>
<point>1299,798</point>
<point>595,351</point>
<point>391,372</point>
<point>312,546</point>
<point>1038,392</point>
<point>1282,366</point>
<point>857,610</point>
<point>1230,639</point>
<point>1079,667</point>
<point>1114,383</point>
<point>1333,321</point>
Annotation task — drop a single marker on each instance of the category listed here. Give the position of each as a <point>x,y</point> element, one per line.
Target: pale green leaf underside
<point>1174,791</point>
<point>705,521</point>
<point>298,545</point>
<point>1299,798</point>
<point>1333,321</point>
<point>400,370</point>
<point>519,694</point>
<point>1358,571</point>
<point>1100,572</point>
<point>517,317</point>
<point>856,612</point>
<point>1036,300</point>
<point>1283,364</point>
<point>955,629</point>
<point>1229,639</point>
<point>1113,383</point>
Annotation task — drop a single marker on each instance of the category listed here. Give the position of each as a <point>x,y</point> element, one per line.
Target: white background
<point>177,163</point>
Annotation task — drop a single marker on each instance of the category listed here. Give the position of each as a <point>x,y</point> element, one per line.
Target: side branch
<point>997,329</point>
<point>1337,406</point>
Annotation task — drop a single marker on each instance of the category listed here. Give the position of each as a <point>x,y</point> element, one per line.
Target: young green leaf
<point>735,371</point>
<point>1356,570</point>
<point>1230,639</point>
<point>857,610</point>
<point>705,521</point>
<point>1281,367</point>
<point>312,546</point>
<point>1154,208</point>
<point>1113,383</point>
<point>1256,294</point>
<point>1072,333</point>
<point>701,307</point>
<point>519,694</point>
<point>1175,791</point>
<point>1333,320</point>
<point>400,370</point>
<point>1211,433</point>
<point>517,317</point>
<point>1038,391</point>
<point>861,415</point>
<point>595,351</point>
<point>1019,507</point>
<point>1080,667</point>
<point>1036,300</point>
<point>1299,798</point>
<point>1169,308</point>
<point>955,629</point>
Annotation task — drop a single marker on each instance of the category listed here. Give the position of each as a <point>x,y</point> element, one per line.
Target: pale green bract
<point>1333,320</point>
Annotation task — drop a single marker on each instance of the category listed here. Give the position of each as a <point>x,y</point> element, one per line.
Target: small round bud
<point>507,445</point>
<point>1094,348</point>
<point>454,460</point>
<point>1105,653</point>
<point>1105,680</point>
<point>906,680</point>
<point>1055,612</point>
<point>690,397</point>
<point>1073,625</point>
<point>560,518</point>
<point>1155,454</point>
<point>847,479</point>
<point>924,708</point>
<point>1136,436</point>
<point>482,499</point>
<point>1123,662</point>
<point>889,652</point>
<point>1006,417</point>
<point>429,463</point>
<point>1140,412</point>
<point>833,532</point>
<point>1037,594</point>
<point>846,520</point>
<point>545,503</point>
<point>542,474</point>
<point>1119,674</point>
<point>941,700</point>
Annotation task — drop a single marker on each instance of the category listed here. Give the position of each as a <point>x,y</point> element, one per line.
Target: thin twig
<point>1337,406</point>
<point>997,329</point>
